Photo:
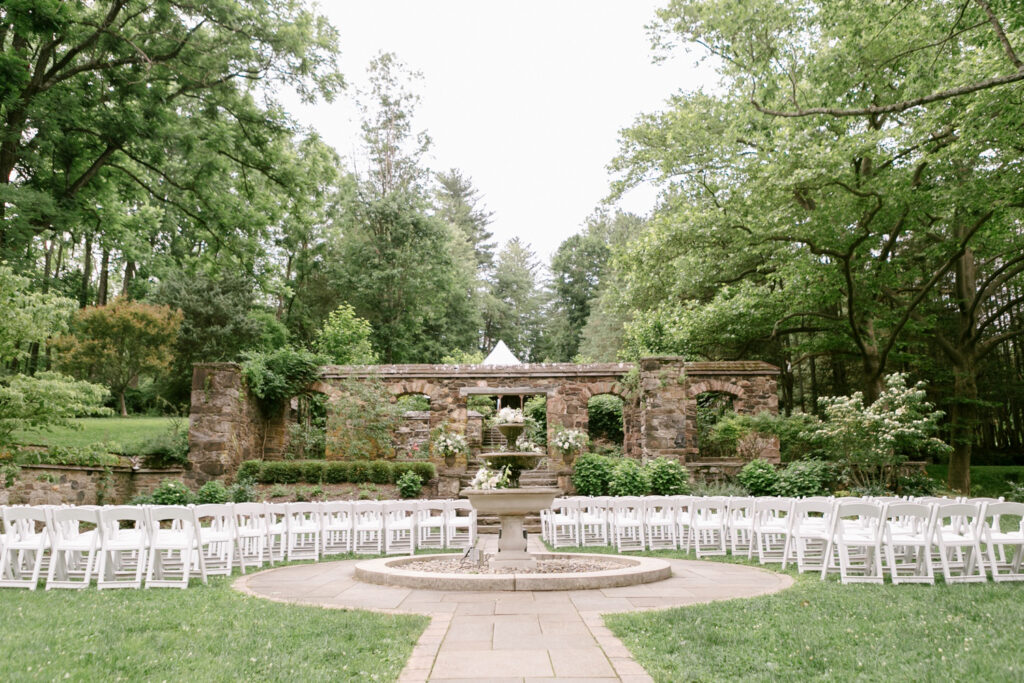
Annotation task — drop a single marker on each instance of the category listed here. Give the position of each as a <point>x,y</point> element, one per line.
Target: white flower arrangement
<point>487,479</point>
<point>508,416</point>
<point>448,443</point>
<point>569,441</point>
<point>525,445</point>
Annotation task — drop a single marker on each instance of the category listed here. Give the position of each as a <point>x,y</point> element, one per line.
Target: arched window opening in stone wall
<point>604,423</point>
<point>712,406</point>
<point>412,436</point>
<point>307,428</point>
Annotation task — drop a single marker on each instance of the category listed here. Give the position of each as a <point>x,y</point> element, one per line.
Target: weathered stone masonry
<point>659,403</point>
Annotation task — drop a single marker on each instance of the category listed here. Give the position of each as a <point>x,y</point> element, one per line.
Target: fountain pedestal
<point>511,506</point>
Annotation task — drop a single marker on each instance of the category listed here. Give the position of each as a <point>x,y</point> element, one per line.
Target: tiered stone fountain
<point>513,504</point>
<point>512,568</point>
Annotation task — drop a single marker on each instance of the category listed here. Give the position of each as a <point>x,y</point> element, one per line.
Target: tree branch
<point>895,107</point>
<point>997,27</point>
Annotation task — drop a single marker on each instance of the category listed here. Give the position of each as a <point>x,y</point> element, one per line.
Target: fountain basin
<point>511,506</point>
<point>632,571</point>
<point>519,502</point>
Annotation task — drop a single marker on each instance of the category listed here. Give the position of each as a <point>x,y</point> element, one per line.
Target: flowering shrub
<point>629,479</point>
<point>569,441</point>
<point>508,416</point>
<point>870,442</point>
<point>759,477</point>
<point>487,479</point>
<point>667,477</point>
<point>446,443</point>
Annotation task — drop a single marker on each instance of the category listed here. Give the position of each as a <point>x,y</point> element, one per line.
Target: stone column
<point>224,423</point>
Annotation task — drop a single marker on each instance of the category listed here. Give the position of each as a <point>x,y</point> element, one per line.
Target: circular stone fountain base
<point>628,571</point>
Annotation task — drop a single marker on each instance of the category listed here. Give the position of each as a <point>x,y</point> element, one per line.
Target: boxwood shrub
<point>332,471</point>
<point>336,472</point>
<point>380,472</point>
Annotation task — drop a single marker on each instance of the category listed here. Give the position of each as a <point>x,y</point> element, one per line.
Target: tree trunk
<point>124,408</point>
<point>963,416</point>
<point>101,295</point>
<point>83,295</point>
<point>129,275</point>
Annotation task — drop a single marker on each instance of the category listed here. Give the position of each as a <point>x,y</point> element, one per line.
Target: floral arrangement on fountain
<point>487,479</point>
<point>448,443</point>
<point>507,416</point>
<point>569,442</point>
<point>526,445</point>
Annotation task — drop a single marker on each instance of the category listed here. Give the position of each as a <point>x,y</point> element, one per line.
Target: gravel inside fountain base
<point>544,566</point>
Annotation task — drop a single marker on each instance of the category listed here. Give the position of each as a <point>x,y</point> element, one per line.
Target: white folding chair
<point>810,525</point>
<point>627,523</point>
<point>336,527</point>
<point>368,527</point>
<point>459,524</point>
<point>302,525</point>
<point>73,549</point>
<point>909,530</point>
<point>27,541</point>
<point>660,522</point>
<point>175,547</point>
<point>770,533</point>
<point>958,530</point>
<point>564,523</point>
<point>251,534</point>
<point>430,520</point>
<point>124,547</point>
<point>684,528</point>
<point>593,520</point>
<point>856,536</point>
<point>400,527</point>
<point>219,539</point>
<point>708,519</point>
<point>740,525</point>
<point>277,531</point>
<point>1005,548</point>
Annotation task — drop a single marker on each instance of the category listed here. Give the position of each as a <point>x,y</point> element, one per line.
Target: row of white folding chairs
<point>121,546</point>
<point>807,531</point>
<point>64,540</point>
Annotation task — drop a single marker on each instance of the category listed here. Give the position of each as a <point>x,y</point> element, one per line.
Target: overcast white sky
<point>525,98</point>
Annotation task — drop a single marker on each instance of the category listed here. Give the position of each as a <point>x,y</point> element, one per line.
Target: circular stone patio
<point>514,636</point>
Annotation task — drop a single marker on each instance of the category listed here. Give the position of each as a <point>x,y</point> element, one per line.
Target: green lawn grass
<point>205,633</point>
<point>125,431</point>
<point>986,480</point>
<point>822,630</point>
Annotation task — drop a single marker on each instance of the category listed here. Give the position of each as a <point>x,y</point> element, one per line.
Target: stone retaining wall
<point>59,484</point>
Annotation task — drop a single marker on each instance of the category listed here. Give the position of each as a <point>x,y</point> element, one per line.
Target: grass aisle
<point>822,630</point>
<point>205,633</point>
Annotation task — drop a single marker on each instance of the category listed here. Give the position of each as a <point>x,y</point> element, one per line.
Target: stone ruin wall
<point>659,411</point>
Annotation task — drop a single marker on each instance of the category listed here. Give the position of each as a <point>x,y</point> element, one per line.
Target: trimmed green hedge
<point>332,471</point>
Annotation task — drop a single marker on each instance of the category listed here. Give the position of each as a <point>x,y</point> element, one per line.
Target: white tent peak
<point>501,355</point>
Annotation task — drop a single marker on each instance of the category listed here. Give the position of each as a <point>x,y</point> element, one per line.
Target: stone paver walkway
<point>515,636</point>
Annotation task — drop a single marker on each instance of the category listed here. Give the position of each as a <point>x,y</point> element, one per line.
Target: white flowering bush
<point>447,443</point>
<point>507,416</point>
<point>487,479</point>
<point>871,442</point>
<point>569,441</point>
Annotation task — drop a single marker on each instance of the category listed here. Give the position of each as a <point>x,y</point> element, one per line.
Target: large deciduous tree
<point>117,344</point>
<point>856,179</point>
<point>110,108</point>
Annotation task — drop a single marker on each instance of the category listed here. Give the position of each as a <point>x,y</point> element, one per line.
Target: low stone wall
<point>66,484</point>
